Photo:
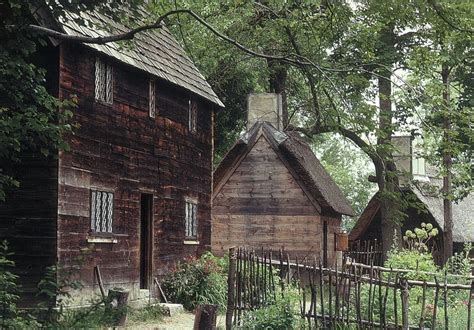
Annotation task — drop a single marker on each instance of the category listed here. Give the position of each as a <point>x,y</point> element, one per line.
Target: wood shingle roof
<point>153,51</point>
<point>298,155</point>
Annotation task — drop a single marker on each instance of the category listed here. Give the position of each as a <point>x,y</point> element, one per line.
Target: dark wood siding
<point>119,148</point>
<point>28,215</point>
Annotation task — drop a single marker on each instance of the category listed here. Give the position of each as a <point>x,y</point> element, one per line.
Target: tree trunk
<point>277,81</point>
<point>447,164</point>
<point>386,176</point>
<point>206,317</point>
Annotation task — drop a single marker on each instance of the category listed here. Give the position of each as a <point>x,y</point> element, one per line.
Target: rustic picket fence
<point>352,295</point>
<point>370,252</point>
<point>367,252</point>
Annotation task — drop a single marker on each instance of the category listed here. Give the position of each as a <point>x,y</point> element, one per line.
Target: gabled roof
<point>429,194</point>
<point>297,154</point>
<point>154,51</point>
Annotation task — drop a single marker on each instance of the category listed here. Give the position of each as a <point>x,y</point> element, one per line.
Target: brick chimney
<point>264,107</point>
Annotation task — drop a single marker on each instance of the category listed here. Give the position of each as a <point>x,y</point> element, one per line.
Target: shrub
<point>282,313</point>
<point>10,318</point>
<point>415,256</point>
<point>198,281</point>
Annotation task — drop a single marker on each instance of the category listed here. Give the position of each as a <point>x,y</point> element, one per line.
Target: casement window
<point>152,99</point>
<point>192,114</point>
<point>104,81</point>
<point>102,209</point>
<point>191,219</point>
<point>418,165</point>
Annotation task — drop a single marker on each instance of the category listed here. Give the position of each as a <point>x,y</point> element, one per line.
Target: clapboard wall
<point>262,204</point>
<point>119,148</point>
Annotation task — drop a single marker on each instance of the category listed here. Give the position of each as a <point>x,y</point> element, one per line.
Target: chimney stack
<point>264,107</point>
<point>402,156</point>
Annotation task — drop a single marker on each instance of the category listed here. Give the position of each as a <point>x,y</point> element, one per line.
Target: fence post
<point>404,298</point>
<point>230,289</point>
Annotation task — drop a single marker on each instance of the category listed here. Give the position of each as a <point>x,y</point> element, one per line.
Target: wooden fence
<point>352,294</point>
<point>367,252</point>
<point>370,252</point>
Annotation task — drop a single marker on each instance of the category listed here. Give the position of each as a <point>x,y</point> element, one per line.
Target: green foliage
<point>29,116</point>
<point>198,281</point>
<point>10,318</point>
<point>349,167</point>
<point>423,268</point>
<point>280,313</point>
<point>418,239</point>
<point>54,292</point>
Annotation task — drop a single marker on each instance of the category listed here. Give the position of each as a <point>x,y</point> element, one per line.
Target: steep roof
<point>463,218</point>
<point>298,155</point>
<point>154,51</point>
<point>429,194</point>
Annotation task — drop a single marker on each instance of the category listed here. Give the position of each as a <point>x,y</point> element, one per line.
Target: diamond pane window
<point>192,112</point>
<point>190,219</point>
<point>104,87</point>
<point>152,99</point>
<point>102,208</point>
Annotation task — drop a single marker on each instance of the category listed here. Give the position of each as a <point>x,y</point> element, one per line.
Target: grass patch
<point>146,314</point>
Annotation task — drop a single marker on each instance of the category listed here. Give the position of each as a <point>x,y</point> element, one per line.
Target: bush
<point>10,318</point>
<point>415,256</point>
<point>198,281</point>
<point>282,313</point>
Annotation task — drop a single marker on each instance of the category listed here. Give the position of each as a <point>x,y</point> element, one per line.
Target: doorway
<point>325,243</point>
<point>146,240</point>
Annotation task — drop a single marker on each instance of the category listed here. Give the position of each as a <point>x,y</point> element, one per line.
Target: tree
<point>331,61</point>
<point>29,118</point>
<point>440,66</point>
<point>349,167</point>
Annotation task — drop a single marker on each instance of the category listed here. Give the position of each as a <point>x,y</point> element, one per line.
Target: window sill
<point>190,242</point>
<point>102,239</point>
<point>105,103</point>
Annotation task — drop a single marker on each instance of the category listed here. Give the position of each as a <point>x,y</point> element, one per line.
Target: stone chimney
<point>402,155</point>
<point>264,107</point>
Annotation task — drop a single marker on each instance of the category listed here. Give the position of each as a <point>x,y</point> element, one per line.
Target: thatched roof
<point>298,155</point>
<point>463,217</point>
<point>154,51</point>
<point>428,193</point>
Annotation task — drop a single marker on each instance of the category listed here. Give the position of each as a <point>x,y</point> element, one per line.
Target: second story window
<point>192,116</point>
<point>152,99</point>
<point>190,219</point>
<point>104,81</point>
<point>418,165</point>
<point>102,208</point>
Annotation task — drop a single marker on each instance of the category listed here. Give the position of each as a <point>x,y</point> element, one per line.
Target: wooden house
<point>421,186</point>
<point>271,191</point>
<point>132,194</point>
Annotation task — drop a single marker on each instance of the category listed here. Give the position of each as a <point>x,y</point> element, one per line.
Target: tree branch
<point>439,11</point>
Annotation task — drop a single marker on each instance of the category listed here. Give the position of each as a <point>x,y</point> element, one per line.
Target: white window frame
<point>418,166</point>
<point>190,219</point>
<point>104,81</point>
<point>192,116</point>
<point>152,98</point>
<point>102,211</point>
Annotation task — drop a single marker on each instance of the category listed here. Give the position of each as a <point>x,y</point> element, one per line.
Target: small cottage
<point>132,194</point>
<point>421,185</point>
<point>271,191</point>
